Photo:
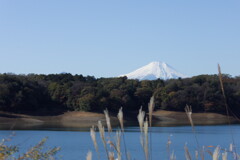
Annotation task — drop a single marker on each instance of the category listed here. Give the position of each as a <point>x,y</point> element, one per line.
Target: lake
<point>75,144</point>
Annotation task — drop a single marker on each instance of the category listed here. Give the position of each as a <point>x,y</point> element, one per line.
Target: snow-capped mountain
<point>155,70</point>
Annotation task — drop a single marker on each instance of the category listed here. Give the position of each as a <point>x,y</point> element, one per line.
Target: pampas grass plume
<point>93,136</point>
<point>94,139</point>
<point>140,118</point>
<point>102,135</point>
<point>108,121</point>
<point>151,106</point>
<point>173,156</point>
<point>101,130</point>
<point>89,156</point>
<point>188,110</point>
<point>224,155</point>
<point>120,118</point>
<point>216,153</point>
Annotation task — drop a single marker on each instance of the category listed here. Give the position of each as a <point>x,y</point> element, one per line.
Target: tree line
<point>57,93</point>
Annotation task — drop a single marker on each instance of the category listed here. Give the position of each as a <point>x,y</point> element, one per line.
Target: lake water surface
<point>75,144</point>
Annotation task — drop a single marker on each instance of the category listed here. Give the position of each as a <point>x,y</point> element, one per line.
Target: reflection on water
<point>75,126</point>
<point>76,144</point>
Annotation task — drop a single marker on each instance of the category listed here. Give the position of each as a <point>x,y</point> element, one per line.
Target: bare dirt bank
<point>164,118</point>
<point>67,120</point>
<point>87,119</point>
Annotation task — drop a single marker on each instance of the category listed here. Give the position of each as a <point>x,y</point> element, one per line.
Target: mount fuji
<point>155,70</point>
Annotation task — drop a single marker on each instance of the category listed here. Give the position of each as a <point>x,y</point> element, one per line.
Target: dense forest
<point>57,93</point>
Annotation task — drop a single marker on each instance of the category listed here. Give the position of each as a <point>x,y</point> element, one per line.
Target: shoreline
<point>77,120</point>
<point>166,118</point>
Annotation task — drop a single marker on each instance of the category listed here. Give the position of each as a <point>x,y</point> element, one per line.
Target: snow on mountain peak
<point>154,70</point>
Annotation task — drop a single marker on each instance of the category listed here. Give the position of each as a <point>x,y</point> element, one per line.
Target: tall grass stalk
<point>102,135</point>
<point>118,144</point>
<point>168,147</point>
<point>145,127</point>
<point>188,110</point>
<point>144,139</point>
<point>227,108</point>
<point>140,118</point>
<point>93,136</point>
<point>120,118</point>
<point>187,153</point>
<point>231,147</point>
<point>151,106</point>
<point>202,153</point>
<point>141,123</point>
<point>111,156</point>
<point>173,156</point>
<point>142,144</point>
<point>196,155</point>
<point>89,156</point>
<point>216,153</point>
<point>108,121</point>
<point>224,155</point>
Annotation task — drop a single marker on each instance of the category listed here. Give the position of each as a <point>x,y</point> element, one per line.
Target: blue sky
<point>109,38</point>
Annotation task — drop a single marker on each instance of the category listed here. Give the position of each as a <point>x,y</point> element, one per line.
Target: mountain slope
<point>154,70</point>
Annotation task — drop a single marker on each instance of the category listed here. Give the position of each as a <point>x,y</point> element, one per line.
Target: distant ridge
<point>155,70</point>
